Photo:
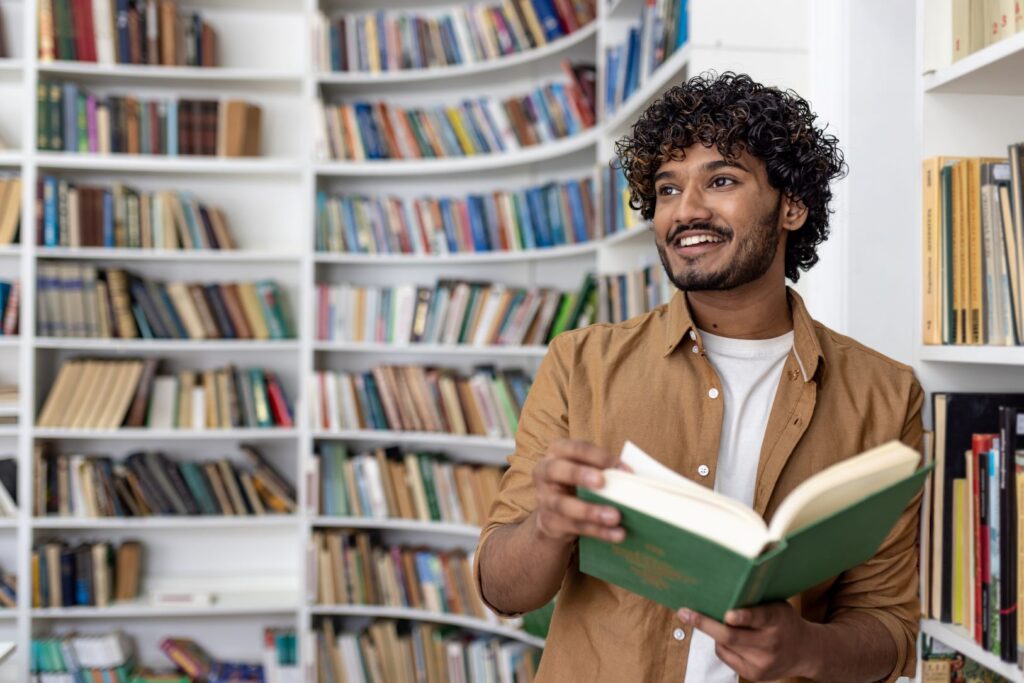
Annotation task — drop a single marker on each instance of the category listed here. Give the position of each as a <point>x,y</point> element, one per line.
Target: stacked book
<point>10,209</point>
<point>452,312</point>
<point>71,658</point>
<point>396,40</point>
<point>389,651</point>
<point>148,483</point>
<point>10,303</point>
<point>618,215</point>
<point>88,575</point>
<point>548,215</point>
<point>388,483</point>
<point>661,30</point>
<point>79,300</point>
<point>351,569</point>
<point>151,32</point>
<point>92,393</point>
<point>77,215</point>
<point>626,295</point>
<point>198,665</point>
<point>72,119</point>
<point>974,250</point>
<point>359,131</point>
<point>413,398</point>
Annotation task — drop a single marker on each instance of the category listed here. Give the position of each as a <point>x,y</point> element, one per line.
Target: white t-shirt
<point>749,370</point>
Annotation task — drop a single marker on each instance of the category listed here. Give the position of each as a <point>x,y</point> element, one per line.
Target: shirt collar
<point>806,348</point>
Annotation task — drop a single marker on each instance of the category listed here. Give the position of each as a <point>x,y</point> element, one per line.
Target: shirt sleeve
<point>886,586</point>
<point>545,417</point>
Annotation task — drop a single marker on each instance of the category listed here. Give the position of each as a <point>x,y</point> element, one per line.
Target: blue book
<point>359,466</point>
<point>44,583</point>
<point>172,128</point>
<point>382,43</point>
<point>51,229</point>
<point>613,55</point>
<point>108,218</point>
<point>69,101</point>
<point>573,124</point>
<point>492,124</point>
<point>140,321</point>
<point>476,224</point>
<point>67,576</point>
<point>368,131</point>
<point>192,221</point>
<point>632,63</point>
<point>448,222</point>
<point>374,403</point>
<point>548,17</point>
<point>349,224</point>
<point>172,312</point>
<point>476,135</point>
<point>539,216</point>
<point>522,211</point>
<point>335,47</point>
<point>579,216</point>
<point>493,222</point>
<point>123,41</point>
<point>683,27</point>
<point>553,197</point>
<point>450,42</point>
<point>539,108</point>
<point>327,475</point>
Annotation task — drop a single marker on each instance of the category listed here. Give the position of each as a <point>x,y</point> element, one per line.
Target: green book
<point>565,308</point>
<point>430,485</point>
<point>688,546</point>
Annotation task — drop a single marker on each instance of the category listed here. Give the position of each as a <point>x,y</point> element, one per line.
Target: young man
<point>731,384</point>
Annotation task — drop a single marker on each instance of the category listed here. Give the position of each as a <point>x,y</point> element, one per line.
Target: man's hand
<point>762,643</point>
<point>560,515</point>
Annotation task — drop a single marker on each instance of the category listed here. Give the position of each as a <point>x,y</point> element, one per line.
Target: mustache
<point>720,231</point>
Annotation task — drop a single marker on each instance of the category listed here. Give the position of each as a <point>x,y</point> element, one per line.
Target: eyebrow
<point>708,167</point>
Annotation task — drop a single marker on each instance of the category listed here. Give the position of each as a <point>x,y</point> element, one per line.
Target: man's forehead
<point>698,156</point>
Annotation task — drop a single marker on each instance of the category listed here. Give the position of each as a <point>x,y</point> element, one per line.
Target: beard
<point>754,256</point>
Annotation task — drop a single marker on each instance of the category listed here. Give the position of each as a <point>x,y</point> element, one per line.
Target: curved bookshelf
<point>658,79</point>
<point>201,255</point>
<point>461,70</point>
<point>168,345</point>
<point>468,350</point>
<point>440,528</point>
<point>470,164</point>
<point>140,434</point>
<point>233,605</point>
<point>427,615</point>
<point>416,438</point>
<point>171,75</point>
<point>162,163</point>
<point>167,522</point>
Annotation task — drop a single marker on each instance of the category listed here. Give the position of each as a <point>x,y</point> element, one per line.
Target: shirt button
<point>695,349</point>
<point>679,634</point>
<point>693,335</point>
<point>703,470</point>
<point>712,393</point>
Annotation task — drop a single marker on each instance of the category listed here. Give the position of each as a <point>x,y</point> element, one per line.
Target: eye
<point>722,181</point>
<point>666,190</point>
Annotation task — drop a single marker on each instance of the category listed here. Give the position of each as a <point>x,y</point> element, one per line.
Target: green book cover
<point>678,568</point>
<point>338,454</point>
<point>565,308</point>
<point>948,329</point>
<point>429,485</point>
<point>505,401</point>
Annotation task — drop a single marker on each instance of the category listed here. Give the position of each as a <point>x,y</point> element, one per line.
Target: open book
<point>688,546</point>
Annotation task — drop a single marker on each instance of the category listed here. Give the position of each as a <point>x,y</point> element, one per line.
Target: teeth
<point>691,240</point>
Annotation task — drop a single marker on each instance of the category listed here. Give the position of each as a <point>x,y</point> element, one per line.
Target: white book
<point>351,658</point>
<point>403,308</point>
<point>163,402</point>
<point>938,35</point>
<point>409,217</point>
<point>77,499</point>
<point>463,36</point>
<point>454,504</point>
<point>456,311</point>
<point>347,399</point>
<point>198,408</point>
<point>315,388</point>
<point>321,148</point>
<point>438,313</point>
<point>335,419</point>
<point>370,310</point>
<point>103,21</point>
<point>489,311</point>
<point>92,315</point>
<point>367,466</point>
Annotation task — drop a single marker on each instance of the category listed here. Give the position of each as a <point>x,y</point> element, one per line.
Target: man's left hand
<point>761,643</point>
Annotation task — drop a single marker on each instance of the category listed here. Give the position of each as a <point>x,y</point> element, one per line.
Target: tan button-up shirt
<point>648,380</point>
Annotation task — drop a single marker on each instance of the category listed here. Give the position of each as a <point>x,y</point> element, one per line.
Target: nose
<point>690,207</point>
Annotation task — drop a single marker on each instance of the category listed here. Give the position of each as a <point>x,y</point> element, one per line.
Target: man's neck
<point>753,311</point>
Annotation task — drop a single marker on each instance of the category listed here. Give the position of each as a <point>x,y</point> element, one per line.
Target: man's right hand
<point>560,515</point>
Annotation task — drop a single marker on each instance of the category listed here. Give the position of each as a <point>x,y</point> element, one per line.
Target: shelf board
<point>158,163</point>
<point>994,70</point>
<point>232,605</point>
<point>426,615</point>
<point>9,410</point>
<point>10,431</point>
<point>10,251</point>
<point>417,438</point>
<point>167,522</point>
<point>141,434</point>
<point>10,157</point>
<point>986,355</point>
<point>432,349</point>
<point>657,80</point>
<point>10,340</point>
<point>166,345</point>
<point>439,528</point>
<point>450,165</point>
<point>171,75</point>
<point>200,255</point>
<point>8,523</point>
<point>11,65</point>
<point>956,637</point>
<point>462,70</point>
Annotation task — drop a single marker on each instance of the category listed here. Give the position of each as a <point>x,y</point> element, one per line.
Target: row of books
<point>134,395</point>
<point>412,398</point>
<point>10,304</point>
<point>974,250</point>
<point>959,28</point>
<point>72,119</point>
<point>71,658</point>
<point>971,548</point>
<point>548,215</point>
<point>617,213</point>
<point>626,295</point>
<point>151,32</point>
<point>452,312</point>
<point>117,215</point>
<point>80,300</point>
<point>350,567</point>
<point>390,484</point>
<point>8,590</point>
<point>88,574</point>
<point>10,209</point>
<point>661,30</point>
<point>393,41</point>
<point>943,664</point>
<point>148,483</point>
<point>359,131</point>
<point>387,650</point>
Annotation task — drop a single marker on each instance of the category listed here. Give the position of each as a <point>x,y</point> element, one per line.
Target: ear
<point>792,213</point>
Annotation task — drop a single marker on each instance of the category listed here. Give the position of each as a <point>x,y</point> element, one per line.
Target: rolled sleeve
<point>544,418</point>
<point>886,586</point>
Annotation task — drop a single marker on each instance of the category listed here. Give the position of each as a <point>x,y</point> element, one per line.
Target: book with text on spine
<point>688,546</point>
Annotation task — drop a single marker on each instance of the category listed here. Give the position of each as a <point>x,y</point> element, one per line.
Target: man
<point>731,384</point>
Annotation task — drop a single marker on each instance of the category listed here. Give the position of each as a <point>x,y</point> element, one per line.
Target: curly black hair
<point>735,113</point>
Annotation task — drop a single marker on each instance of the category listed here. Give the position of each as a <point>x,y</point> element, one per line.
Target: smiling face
<point>718,224</point>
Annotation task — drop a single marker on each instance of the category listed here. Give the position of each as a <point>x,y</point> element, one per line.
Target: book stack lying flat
<point>134,395</point>
<point>125,124</point>
<point>81,300</point>
<point>89,574</point>
<point>116,215</point>
<point>149,483</point>
<point>387,483</point>
<point>412,398</point>
<point>452,312</point>
<point>154,32</point>
<point>10,209</point>
<point>390,651</point>
<point>534,217</point>
<point>190,657</point>
<point>391,40</point>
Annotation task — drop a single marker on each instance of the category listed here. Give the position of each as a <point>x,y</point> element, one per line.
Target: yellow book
<point>533,24</point>
<point>971,465</point>
<point>959,548</point>
<point>931,332</point>
<point>253,311</point>
<point>372,43</point>
<point>460,132</point>
<point>1020,555</point>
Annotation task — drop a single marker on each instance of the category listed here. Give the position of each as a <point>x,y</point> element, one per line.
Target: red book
<point>278,404</point>
<point>90,32</point>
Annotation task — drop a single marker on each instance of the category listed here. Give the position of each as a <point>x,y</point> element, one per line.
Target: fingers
<point>719,632</point>
<point>567,473</point>
<point>753,617</point>
<point>736,662</point>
